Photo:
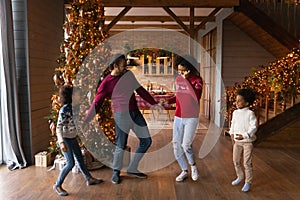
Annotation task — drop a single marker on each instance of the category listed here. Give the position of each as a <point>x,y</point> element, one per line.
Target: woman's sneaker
<point>183,175</point>
<point>195,174</point>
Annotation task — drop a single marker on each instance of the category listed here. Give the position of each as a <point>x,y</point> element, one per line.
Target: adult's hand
<point>158,107</point>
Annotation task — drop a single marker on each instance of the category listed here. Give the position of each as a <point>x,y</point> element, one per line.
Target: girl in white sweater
<point>242,132</point>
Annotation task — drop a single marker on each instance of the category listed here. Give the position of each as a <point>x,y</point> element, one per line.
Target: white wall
<point>241,54</point>
<point>219,85</point>
<point>236,56</point>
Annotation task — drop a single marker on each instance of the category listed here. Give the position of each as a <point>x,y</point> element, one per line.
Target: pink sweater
<point>188,94</point>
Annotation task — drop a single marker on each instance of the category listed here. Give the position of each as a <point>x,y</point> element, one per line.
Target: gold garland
<point>280,77</point>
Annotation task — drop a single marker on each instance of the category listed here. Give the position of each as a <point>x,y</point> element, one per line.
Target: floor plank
<point>276,170</point>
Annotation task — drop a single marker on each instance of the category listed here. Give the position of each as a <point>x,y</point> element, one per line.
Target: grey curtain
<point>11,152</point>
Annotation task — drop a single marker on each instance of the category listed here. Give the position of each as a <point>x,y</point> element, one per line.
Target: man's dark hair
<point>65,94</point>
<point>248,95</point>
<point>116,59</point>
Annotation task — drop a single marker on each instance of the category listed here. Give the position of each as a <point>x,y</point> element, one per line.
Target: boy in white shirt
<point>242,132</point>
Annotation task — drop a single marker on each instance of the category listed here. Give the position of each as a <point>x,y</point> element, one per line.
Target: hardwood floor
<point>276,169</point>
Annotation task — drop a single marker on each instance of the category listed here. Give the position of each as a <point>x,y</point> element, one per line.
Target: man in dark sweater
<point>119,86</point>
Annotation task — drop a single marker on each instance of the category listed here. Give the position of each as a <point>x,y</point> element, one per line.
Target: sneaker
<point>236,181</point>
<point>93,181</point>
<point>137,174</point>
<point>195,174</point>
<point>115,179</point>
<point>183,175</point>
<point>246,187</point>
<point>59,190</point>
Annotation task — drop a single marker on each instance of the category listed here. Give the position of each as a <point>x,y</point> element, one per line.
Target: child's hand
<point>63,147</point>
<point>232,139</point>
<point>239,137</point>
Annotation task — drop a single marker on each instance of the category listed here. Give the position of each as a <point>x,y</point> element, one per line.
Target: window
<point>154,62</point>
<point>158,66</point>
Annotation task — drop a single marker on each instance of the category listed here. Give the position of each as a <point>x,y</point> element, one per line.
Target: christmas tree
<point>82,63</point>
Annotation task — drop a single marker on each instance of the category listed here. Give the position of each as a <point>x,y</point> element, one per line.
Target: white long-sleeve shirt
<point>244,122</point>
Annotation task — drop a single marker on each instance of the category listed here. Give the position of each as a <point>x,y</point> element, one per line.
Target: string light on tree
<point>84,33</point>
<point>280,77</point>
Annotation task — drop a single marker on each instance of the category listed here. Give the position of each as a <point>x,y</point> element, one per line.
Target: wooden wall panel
<point>240,54</point>
<point>45,34</point>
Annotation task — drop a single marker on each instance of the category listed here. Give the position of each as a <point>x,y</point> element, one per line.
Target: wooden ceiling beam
<point>156,18</point>
<point>170,12</point>
<point>172,3</point>
<point>209,17</point>
<point>166,4</point>
<point>134,26</point>
<point>117,18</point>
<point>114,32</point>
<point>192,21</point>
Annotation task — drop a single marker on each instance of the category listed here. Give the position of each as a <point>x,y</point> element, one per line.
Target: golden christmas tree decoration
<point>83,28</point>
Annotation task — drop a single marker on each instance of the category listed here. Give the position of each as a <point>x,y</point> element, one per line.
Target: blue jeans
<point>72,151</point>
<point>183,135</point>
<point>125,121</point>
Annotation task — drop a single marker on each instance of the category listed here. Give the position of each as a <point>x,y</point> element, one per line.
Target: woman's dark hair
<point>247,94</point>
<point>188,62</point>
<point>116,59</point>
<point>65,94</point>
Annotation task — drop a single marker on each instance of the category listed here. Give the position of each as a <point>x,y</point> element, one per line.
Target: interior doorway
<point>208,73</point>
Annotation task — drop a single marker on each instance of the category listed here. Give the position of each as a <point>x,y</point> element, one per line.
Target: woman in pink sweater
<point>188,94</point>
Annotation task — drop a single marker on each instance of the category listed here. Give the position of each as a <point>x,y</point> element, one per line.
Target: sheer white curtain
<point>11,152</point>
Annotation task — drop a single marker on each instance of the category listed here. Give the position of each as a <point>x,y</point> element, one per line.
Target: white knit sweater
<point>244,122</point>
